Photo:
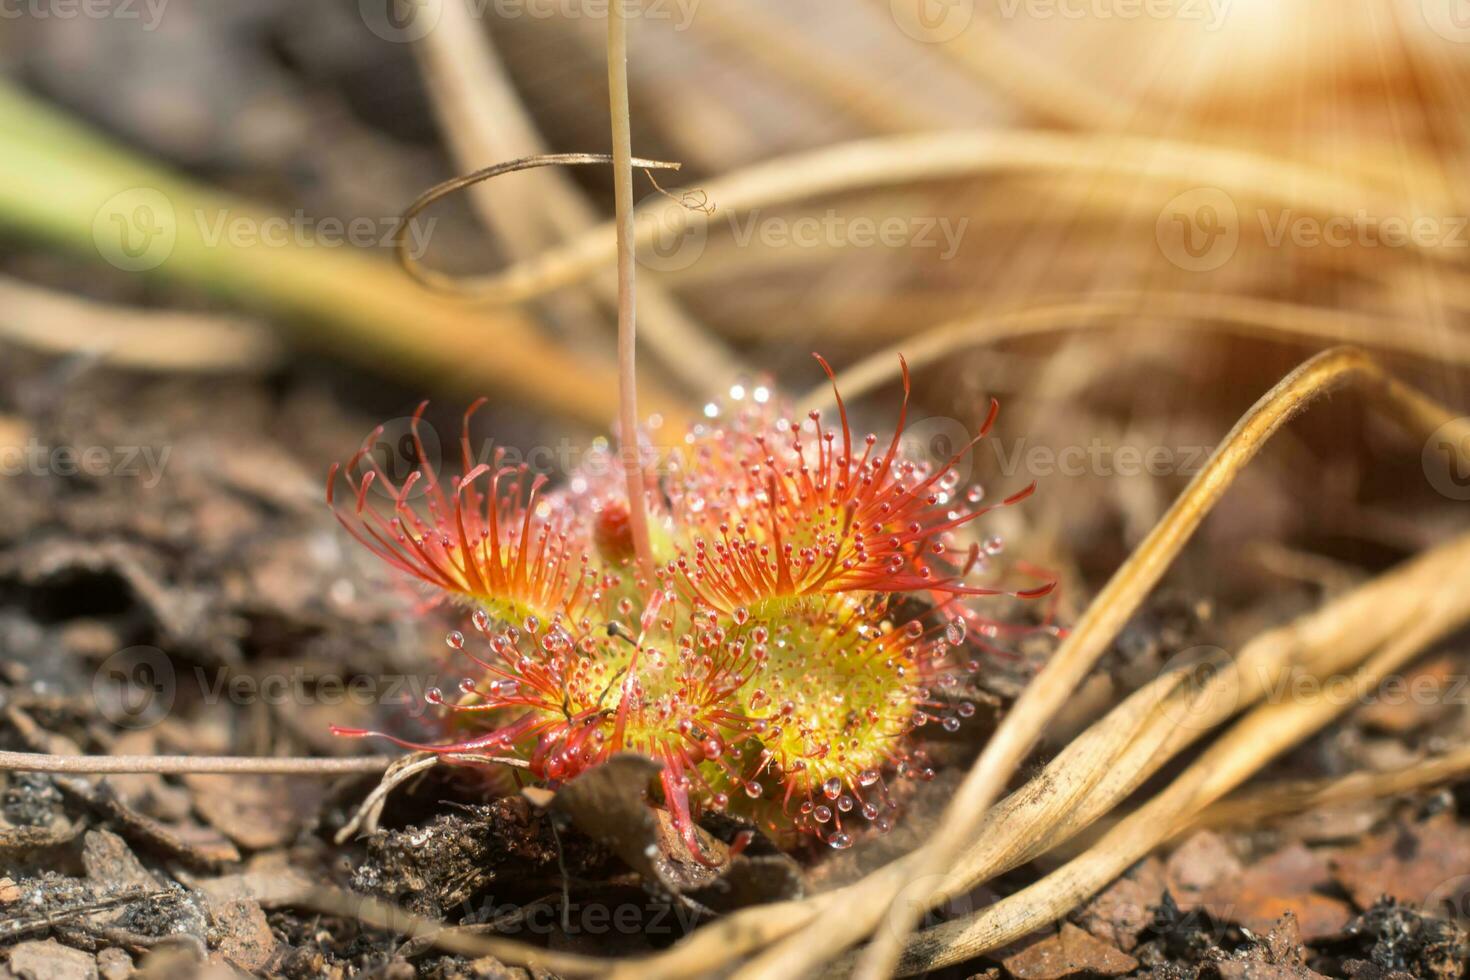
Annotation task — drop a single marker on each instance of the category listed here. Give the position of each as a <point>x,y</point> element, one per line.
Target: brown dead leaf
<point>1408,703</point>
<point>1288,881</point>
<point>148,793</point>
<point>256,812</point>
<point>608,803</point>
<point>49,960</point>
<point>270,887</point>
<point>1198,865</point>
<point>1072,952</point>
<point>193,843</point>
<point>114,964</point>
<point>1122,911</point>
<point>1409,862</point>
<point>244,936</point>
<point>24,839</point>
<point>760,873</point>
<point>1283,944</point>
<point>112,866</point>
<point>1205,874</point>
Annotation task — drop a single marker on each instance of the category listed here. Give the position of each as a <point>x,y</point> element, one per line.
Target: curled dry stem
<point>371,808</point>
<point>483,118</point>
<point>453,284</point>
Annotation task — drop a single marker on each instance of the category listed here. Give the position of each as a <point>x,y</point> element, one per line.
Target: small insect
<point>806,612</point>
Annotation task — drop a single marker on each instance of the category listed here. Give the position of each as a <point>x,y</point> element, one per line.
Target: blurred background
<point>1125,219</point>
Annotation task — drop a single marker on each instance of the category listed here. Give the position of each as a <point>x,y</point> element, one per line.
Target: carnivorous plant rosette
<point>808,610</point>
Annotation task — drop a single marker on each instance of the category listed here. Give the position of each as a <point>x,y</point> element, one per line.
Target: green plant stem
<point>57,177</point>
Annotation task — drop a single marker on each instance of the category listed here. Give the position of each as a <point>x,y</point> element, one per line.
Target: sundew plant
<point>805,609</point>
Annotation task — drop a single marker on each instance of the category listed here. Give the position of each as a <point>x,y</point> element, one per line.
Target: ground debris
<point>1412,862</point>
<point>610,804</point>
<point>1397,937</point>
<point>1126,908</point>
<point>1365,970</point>
<point>1417,699</point>
<point>122,905</point>
<point>1256,970</point>
<point>114,964</point>
<point>256,812</point>
<point>1280,955</point>
<point>112,867</point>
<point>49,960</point>
<point>1072,952</point>
<point>456,855</point>
<point>240,935</point>
<point>1205,874</point>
